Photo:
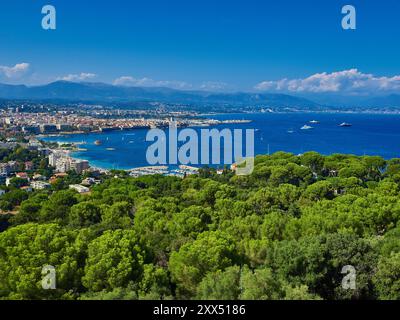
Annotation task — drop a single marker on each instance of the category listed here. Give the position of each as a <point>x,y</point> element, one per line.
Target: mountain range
<point>102,92</point>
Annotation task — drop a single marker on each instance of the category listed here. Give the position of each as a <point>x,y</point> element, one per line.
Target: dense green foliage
<point>14,196</point>
<point>284,232</point>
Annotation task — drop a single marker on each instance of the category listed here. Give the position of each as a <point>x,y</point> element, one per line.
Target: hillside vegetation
<point>285,232</point>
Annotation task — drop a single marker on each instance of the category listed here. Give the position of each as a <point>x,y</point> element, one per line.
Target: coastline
<point>369,135</point>
<point>76,152</point>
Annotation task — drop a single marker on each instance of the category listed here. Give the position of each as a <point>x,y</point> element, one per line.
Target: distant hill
<point>392,100</point>
<point>101,92</point>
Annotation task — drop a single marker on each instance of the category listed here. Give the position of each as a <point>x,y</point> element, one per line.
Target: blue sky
<point>216,45</point>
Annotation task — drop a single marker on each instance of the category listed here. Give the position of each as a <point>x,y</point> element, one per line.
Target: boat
<point>110,149</point>
<point>345,124</point>
<point>306,127</point>
<point>314,121</point>
<point>202,125</point>
<point>98,142</point>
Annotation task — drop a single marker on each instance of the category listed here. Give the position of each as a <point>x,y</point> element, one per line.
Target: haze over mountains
<point>101,92</point>
<point>88,91</point>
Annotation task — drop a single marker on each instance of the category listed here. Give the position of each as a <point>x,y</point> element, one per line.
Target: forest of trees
<point>284,232</point>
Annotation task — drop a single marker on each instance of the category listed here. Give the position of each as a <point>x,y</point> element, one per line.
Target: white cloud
<point>129,81</point>
<point>348,82</point>
<point>78,77</point>
<point>15,72</point>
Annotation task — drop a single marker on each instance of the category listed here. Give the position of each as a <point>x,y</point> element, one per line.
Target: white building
<point>79,188</point>
<point>53,157</point>
<point>63,165</point>
<point>40,185</point>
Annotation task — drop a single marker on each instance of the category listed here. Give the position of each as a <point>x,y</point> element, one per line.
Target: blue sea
<point>370,134</point>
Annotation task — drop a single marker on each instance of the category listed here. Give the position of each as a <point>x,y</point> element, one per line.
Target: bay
<point>370,134</point>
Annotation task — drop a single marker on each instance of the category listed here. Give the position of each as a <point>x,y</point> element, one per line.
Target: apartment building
<point>40,185</point>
